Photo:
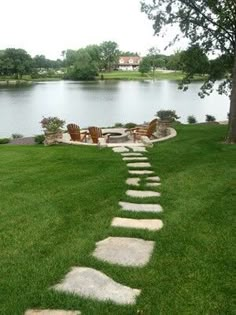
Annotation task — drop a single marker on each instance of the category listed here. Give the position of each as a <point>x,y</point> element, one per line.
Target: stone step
<point>134,181</point>
<point>124,251</point>
<point>51,312</point>
<point>120,149</point>
<point>139,164</point>
<point>154,178</point>
<point>93,284</point>
<point>131,154</point>
<point>140,207</point>
<point>153,184</point>
<point>138,149</point>
<point>142,193</point>
<point>140,172</point>
<point>148,224</point>
<point>137,158</point>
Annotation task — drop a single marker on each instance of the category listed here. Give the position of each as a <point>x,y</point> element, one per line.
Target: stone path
<point>51,312</point>
<point>123,251</point>
<point>142,193</point>
<point>91,283</point>
<point>140,207</point>
<point>149,224</point>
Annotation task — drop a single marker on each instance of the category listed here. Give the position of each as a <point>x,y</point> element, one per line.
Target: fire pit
<point>117,135</point>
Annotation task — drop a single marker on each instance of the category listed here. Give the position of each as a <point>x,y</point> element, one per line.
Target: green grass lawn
<point>135,75</point>
<point>56,202</point>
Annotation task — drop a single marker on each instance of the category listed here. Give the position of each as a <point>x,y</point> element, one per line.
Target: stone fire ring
<point>117,135</point>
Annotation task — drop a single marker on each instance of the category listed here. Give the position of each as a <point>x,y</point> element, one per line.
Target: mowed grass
<point>57,202</point>
<point>136,75</point>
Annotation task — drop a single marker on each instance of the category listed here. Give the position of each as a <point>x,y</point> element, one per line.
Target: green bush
<point>210,118</point>
<point>169,115</point>
<point>39,139</point>
<point>130,125</point>
<point>191,119</point>
<point>16,136</point>
<point>4,140</point>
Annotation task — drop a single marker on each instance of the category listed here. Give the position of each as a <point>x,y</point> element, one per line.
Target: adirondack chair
<point>147,130</point>
<point>75,134</point>
<point>96,133</point>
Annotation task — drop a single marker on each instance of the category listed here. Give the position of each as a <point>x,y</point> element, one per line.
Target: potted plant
<point>166,117</point>
<point>52,127</point>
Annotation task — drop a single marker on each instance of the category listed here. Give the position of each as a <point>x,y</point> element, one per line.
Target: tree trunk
<point>231,137</point>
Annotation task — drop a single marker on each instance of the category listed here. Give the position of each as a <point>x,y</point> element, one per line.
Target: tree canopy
<point>210,25</point>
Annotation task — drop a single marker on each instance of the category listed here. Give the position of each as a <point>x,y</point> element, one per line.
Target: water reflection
<point>101,103</point>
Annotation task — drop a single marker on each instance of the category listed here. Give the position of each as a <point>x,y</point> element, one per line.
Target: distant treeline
<point>86,63</point>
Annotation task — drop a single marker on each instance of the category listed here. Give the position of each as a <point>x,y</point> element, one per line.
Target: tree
<point>174,61</point>
<point>84,68</point>
<point>109,55</point>
<point>15,62</point>
<point>145,66</point>
<point>210,24</point>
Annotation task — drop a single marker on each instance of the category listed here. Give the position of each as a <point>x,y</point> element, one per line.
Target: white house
<point>129,63</point>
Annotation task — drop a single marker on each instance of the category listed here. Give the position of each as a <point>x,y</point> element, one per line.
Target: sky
<point>48,27</point>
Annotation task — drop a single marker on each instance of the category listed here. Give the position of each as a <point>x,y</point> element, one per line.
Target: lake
<point>101,103</point>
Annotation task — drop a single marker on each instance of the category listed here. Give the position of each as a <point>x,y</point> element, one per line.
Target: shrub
<point>39,139</point>
<point>16,136</point>
<point>191,119</point>
<point>4,140</point>
<point>169,115</point>
<point>52,124</point>
<point>210,118</point>
<point>118,125</point>
<point>130,125</point>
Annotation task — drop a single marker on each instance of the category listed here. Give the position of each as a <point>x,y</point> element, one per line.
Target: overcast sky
<point>49,26</point>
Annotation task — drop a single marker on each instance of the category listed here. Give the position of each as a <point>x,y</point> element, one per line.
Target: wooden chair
<point>96,133</point>
<point>147,131</point>
<point>75,134</point>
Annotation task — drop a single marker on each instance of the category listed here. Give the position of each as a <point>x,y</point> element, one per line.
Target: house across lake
<point>129,63</point>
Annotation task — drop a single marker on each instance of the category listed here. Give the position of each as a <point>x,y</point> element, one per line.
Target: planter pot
<point>52,137</point>
<point>162,128</point>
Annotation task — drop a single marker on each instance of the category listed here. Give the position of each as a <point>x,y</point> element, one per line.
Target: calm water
<point>101,104</point>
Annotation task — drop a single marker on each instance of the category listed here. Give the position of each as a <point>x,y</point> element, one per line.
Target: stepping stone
<point>93,284</point>
<point>154,178</point>
<point>140,172</point>
<point>143,158</point>
<point>140,207</point>
<point>133,181</point>
<point>149,224</point>
<point>138,149</point>
<point>51,312</point>
<point>124,251</point>
<point>131,154</point>
<point>120,149</point>
<point>142,193</point>
<point>153,184</point>
<point>139,164</point>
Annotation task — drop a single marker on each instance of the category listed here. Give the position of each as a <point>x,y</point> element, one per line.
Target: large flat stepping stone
<point>154,178</point>
<point>153,184</point>
<point>93,284</point>
<point>140,207</point>
<point>131,154</point>
<point>124,251</point>
<point>120,149</point>
<point>51,312</point>
<point>138,149</point>
<point>134,181</point>
<point>148,224</point>
<point>137,158</point>
<point>139,164</point>
<point>142,193</point>
<point>140,172</point>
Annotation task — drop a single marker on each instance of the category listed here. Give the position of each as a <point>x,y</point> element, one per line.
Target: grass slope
<point>56,202</point>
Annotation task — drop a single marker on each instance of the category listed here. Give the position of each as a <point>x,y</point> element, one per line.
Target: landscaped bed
<point>56,202</point>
